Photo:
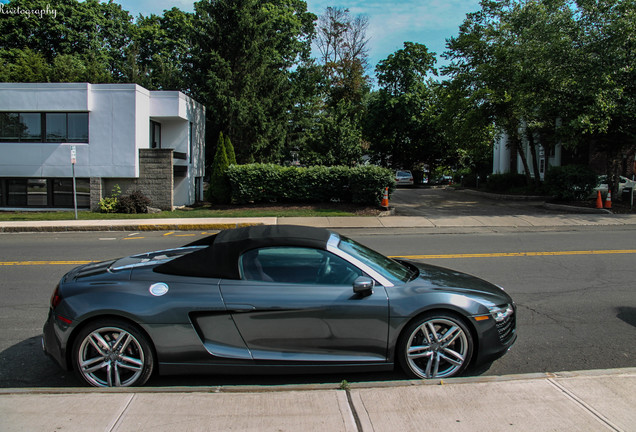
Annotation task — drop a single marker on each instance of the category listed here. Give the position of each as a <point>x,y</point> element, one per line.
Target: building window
<point>63,192</point>
<point>17,193</point>
<point>42,193</point>
<point>37,193</point>
<point>155,134</point>
<point>43,127</point>
<point>77,129</point>
<point>55,127</point>
<point>31,127</point>
<point>20,127</point>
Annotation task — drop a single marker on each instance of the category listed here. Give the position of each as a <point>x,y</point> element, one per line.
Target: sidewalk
<point>568,401</point>
<point>183,224</point>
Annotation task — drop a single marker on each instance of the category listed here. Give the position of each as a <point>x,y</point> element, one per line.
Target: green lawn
<point>190,213</point>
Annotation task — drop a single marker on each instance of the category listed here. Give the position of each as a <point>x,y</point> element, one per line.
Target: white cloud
<point>391,23</point>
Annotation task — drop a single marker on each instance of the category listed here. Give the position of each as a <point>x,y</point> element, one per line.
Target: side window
<point>297,265</point>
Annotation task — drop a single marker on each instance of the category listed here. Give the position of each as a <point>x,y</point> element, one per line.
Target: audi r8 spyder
<point>272,299</point>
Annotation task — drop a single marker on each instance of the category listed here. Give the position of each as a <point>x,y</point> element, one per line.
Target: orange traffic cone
<point>385,198</point>
<point>599,200</point>
<point>608,200</point>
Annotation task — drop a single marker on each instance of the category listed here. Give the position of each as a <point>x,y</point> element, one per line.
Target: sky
<point>391,22</point>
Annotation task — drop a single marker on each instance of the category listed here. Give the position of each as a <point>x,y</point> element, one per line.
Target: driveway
<point>439,201</point>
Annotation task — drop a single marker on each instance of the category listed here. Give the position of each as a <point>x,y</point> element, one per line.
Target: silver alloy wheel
<point>110,356</point>
<point>437,348</point>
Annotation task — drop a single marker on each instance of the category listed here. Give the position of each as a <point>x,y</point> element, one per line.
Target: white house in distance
<point>506,159</point>
<point>123,134</point>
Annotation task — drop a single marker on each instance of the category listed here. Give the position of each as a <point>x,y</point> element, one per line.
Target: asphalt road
<point>576,310</point>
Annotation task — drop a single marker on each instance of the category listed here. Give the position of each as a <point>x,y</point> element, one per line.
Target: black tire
<point>112,353</point>
<point>436,345</point>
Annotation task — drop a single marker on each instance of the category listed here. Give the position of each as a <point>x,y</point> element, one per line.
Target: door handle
<point>234,307</point>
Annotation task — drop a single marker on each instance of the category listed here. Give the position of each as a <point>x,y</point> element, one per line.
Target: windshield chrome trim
<point>332,246</point>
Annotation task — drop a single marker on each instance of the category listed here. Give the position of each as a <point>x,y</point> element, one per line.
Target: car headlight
<point>501,313</point>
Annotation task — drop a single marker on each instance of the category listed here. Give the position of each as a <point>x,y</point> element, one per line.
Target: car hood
<point>440,278</point>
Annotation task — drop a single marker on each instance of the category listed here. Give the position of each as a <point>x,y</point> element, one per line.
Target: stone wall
<point>96,192</point>
<point>156,180</point>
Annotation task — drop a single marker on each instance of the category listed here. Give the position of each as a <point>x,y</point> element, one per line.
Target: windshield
<point>387,267</point>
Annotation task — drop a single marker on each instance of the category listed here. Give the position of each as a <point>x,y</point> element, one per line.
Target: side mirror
<point>363,285</point>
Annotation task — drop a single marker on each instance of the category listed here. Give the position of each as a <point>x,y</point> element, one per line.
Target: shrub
<point>367,184</point>
<point>109,204</point>
<point>134,203</point>
<point>506,182</point>
<point>275,183</point>
<point>570,182</point>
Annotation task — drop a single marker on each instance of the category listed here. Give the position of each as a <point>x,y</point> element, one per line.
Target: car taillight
<point>56,298</point>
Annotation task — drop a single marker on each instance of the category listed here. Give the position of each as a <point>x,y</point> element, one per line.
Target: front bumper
<point>50,342</point>
<point>495,339</point>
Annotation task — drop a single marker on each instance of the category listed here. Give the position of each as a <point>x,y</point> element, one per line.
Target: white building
<point>123,134</point>
<point>506,159</point>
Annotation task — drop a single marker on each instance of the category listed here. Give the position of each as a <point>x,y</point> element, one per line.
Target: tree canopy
<point>545,72</point>
<point>552,71</point>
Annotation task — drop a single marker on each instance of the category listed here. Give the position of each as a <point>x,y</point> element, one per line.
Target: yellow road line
<point>519,254</point>
<point>448,256</point>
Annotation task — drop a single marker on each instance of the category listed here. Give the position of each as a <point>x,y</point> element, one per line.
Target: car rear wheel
<point>435,346</point>
<point>112,353</point>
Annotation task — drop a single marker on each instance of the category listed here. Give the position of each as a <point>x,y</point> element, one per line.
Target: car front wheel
<point>112,353</point>
<point>435,346</point>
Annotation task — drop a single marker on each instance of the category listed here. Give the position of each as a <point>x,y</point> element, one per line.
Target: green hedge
<point>259,183</point>
<point>570,182</point>
<point>507,182</point>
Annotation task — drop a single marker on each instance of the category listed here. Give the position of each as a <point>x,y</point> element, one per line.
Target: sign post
<point>73,160</point>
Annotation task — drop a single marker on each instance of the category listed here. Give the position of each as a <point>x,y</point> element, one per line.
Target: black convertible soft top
<point>220,258</point>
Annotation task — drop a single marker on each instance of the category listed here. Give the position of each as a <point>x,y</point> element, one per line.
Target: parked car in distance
<point>444,180</point>
<point>272,299</point>
<point>403,178</point>
<point>623,182</point>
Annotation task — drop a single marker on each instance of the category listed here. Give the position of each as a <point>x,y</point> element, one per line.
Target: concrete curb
<point>500,197</point>
<point>327,386</point>
<point>574,209</point>
<point>547,205</point>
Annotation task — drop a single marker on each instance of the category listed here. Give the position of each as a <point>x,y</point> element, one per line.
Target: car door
<point>298,304</point>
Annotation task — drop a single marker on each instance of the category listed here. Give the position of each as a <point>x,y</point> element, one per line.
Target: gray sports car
<point>272,299</point>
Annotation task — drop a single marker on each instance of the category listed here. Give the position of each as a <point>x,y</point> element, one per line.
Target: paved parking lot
<point>440,201</point>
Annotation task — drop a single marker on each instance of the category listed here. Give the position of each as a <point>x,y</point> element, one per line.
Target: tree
<point>242,58</point>
<point>342,43</point>
<point>400,122</point>
<point>550,71</point>
<point>607,95</point>
<point>219,189</point>
<point>505,60</point>
<point>94,37</point>
<point>229,150</point>
<point>336,138</point>
<point>160,53</point>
